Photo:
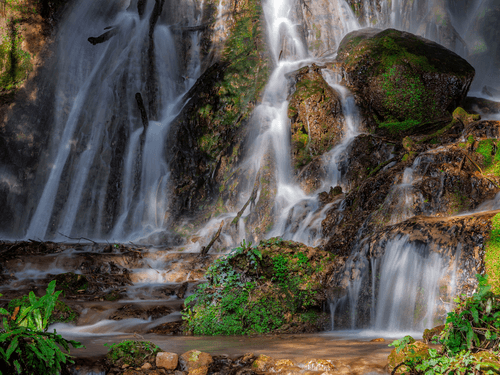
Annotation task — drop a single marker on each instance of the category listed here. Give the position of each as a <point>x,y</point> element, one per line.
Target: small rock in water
<point>378,340</point>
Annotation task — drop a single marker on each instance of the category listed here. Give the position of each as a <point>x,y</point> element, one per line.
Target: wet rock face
<point>315,110</point>
<point>402,81</point>
<point>391,182</point>
<point>205,141</point>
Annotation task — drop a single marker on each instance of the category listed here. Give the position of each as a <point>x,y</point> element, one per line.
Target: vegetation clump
<point>132,353</point>
<point>26,346</point>
<point>275,286</point>
<point>470,340</point>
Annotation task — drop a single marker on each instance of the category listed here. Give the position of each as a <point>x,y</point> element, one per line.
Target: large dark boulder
<point>403,83</point>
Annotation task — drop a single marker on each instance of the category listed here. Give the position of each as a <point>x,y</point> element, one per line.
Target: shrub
<point>25,344</point>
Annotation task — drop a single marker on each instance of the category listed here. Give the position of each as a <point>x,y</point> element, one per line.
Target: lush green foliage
<point>25,344</point>
<point>254,290</point>
<point>470,339</point>
<point>132,353</point>
<point>62,313</point>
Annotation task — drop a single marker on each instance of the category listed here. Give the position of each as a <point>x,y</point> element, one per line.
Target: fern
<point>26,346</point>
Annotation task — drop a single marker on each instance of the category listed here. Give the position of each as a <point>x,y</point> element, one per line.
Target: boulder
<point>167,361</point>
<point>195,362</point>
<point>403,82</point>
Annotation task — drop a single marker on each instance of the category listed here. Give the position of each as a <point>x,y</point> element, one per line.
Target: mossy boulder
<point>276,286</point>
<point>403,82</point>
<point>315,110</point>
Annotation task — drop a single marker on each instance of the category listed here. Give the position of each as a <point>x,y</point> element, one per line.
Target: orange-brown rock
<point>167,361</point>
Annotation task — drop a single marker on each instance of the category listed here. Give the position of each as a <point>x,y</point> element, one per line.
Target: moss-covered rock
<point>274,287</point>
<point>403,82</point>
<point>316,115</point>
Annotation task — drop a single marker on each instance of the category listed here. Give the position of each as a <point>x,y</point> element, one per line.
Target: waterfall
<point>408,289</point>
<point>108,177</point>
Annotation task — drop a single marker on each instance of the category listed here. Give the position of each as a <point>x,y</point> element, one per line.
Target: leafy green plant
<point>401,344</point>
<point>26,346</point>
<point>62,313</point>
<point>470,340</point>
<point>475,322</point>
<point>132,353</point>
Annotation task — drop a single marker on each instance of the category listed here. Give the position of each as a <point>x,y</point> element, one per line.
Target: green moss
<point>399,126</point>
<point>492,255</point>
<point>71,283</point>
<point>15,63</point>
<point>485,148</point>
<point>396,63</point>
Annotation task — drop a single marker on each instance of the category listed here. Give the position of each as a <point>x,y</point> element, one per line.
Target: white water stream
<point>84,195</point>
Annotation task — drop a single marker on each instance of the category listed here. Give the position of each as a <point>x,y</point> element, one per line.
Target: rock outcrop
<point>315,111</point>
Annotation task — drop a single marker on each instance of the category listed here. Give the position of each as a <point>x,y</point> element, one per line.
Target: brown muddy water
<point>350,356</point>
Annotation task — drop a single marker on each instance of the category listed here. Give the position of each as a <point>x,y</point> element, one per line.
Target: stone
<point>262,363</point>
<point>403,82</point>
<point>168,361</point>
<point>193,360</point>
<point>146,366</point>
<point>378,340</point>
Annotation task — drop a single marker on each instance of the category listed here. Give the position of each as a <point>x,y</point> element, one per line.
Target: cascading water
<point>108,177</point>
<point>408,289</point>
